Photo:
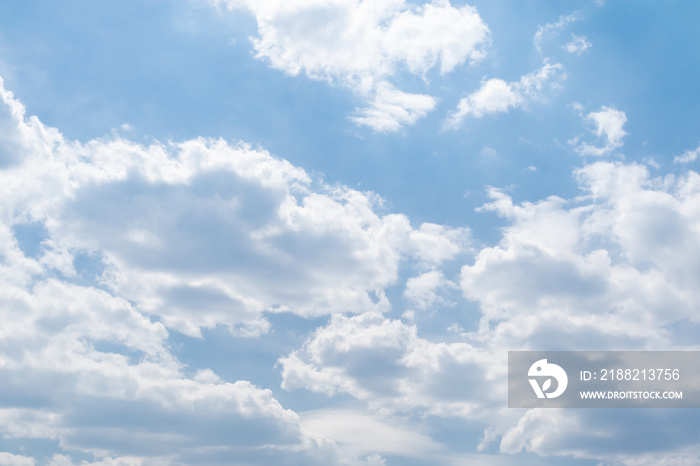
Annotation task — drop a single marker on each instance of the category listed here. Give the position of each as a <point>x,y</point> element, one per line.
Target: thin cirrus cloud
<point>362,44</point>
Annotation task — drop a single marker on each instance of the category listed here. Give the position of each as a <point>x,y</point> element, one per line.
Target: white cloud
<point>362,44</point>
<point>391,109</point>
<point>551,28</point>
<point>495,95</point>
<point>498,96</point>
<point>688,156</point>
<point>650,161</point>
<point>180,235</point>
<point>138,241</point>
<point>8,459</point>
<point>602,261</point>
<point>86,368</point>
<point>569,433</point>
<point>536,431</point>
<point>578,45</point>
<point>187,231</point>
<point>434,244</point>
<point>489,153</point>
<point>609,125</point>
<point>384,363</point>
<point>362,434</point>
<point>682,457</point>
<point>424,290</point>
<point>65,460</point>
<point>610,269</point>
<point>133,398</point>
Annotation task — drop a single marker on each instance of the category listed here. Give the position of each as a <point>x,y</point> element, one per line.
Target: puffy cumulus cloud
<point>384,363</point>
<point>611,438</point>
<point>613,268</point>
<point>578,45</point>
<point>537,431</point>
<point>107,246</point>
<point>608,269</point>
<point>362,44</point>
<point>8,459</point>
<point>608,125</point>
<point>498,96</point>
<point>86,369</point>
<point>403,380</point>
<point>205,233</point>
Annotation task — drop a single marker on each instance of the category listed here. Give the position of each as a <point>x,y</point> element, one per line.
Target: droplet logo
<point>545,371</point>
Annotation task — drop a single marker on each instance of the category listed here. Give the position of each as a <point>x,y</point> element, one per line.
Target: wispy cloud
<point>687,156</point>
<point>578,45</point>
<point>552,28</point>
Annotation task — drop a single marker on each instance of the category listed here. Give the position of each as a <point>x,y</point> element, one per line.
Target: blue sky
<point>308,232</point>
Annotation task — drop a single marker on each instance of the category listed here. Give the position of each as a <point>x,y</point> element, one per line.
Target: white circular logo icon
<point>541,370</point>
